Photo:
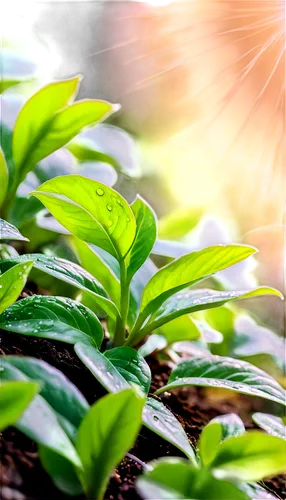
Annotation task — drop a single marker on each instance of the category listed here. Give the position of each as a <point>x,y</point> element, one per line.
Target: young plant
<point>229,458</point>
<point>57,135</point>
<point>79,446</point>
<point>122,238</point>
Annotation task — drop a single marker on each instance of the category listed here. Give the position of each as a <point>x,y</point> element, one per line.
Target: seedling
<point>229,459</point>
<point>79,446</point>
<point>122,237</point>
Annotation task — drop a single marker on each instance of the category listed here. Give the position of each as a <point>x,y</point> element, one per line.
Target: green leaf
<point>225,373</point>
<point>216,431</point>
<point>231,425</point>
<point>189,269</point>
<point>55,318</point>
<point>153,343</point>
<point>105,436</point>
<point>178,223</point>
<point>250,457</point>
<point>70,273</point>
<point>271,424</point>
<point>12,283</point>
<point>18,68</point>
<point>91,211</point>
<point>9,232</point>
<point>182,328</point>
<point>162,421</point>
<point>35,121</point>
<point>95,265</point>
<point>145,237</point>
<point>100,366</point>
<point>47,122</point>
<point>39,421</point>
<point>61,471</point>
<point>174,478</point>
<point>4,178</point>
<point>56,389</point>
<point>116,373</point>
<point>15,397</point>
<point>131,366</point>
<point>117,368</point>
<point>201,299</point>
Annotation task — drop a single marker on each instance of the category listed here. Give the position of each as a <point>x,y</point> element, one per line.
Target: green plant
<point>61,145</point>
<point>122,237</point>
<point>229,458</point>
<point>79,446</point>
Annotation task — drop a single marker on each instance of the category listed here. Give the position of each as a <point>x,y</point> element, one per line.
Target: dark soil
<point>21,474</point>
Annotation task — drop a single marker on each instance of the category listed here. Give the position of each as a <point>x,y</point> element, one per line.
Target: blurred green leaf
<point>39,421</point>
<point>12,283</point>
<point>177,224</point>
<point>182,328</point>
<point>174,478</point>
<point>215,432</point>
<point>271,424</point>
<point>9,232</point>
<point>250,457</point>
<point>15,397</point>
<point>55,387</point>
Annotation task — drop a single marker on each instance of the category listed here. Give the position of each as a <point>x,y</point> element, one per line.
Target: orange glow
<point>216,69</point>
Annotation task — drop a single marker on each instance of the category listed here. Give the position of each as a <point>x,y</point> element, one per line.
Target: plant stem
<point>119,336</point>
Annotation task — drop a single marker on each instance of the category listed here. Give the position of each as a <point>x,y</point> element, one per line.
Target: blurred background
<point>202,89</point>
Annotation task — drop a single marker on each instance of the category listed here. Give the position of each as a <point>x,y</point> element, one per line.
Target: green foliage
<point>55,318</point>
<point>105,435</point>
<point>40,421</point>
<point>173,478</point>
<point>15,397</point>
<point>250,457</point>
<point>225,373</point>
<point>271,424</point>
<point>112,240</point>
<point>12,282</point>
<point>9,232</point>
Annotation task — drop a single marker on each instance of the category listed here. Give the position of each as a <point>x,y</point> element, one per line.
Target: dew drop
<point>128,219</point>
<point>100,192</point>
<point>155,418</point>
<point>109,207</point>
<point>119,203</point>
<point>109,223</point>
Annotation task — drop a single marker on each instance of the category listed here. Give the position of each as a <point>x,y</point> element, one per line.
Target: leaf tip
<point>116,107</point>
